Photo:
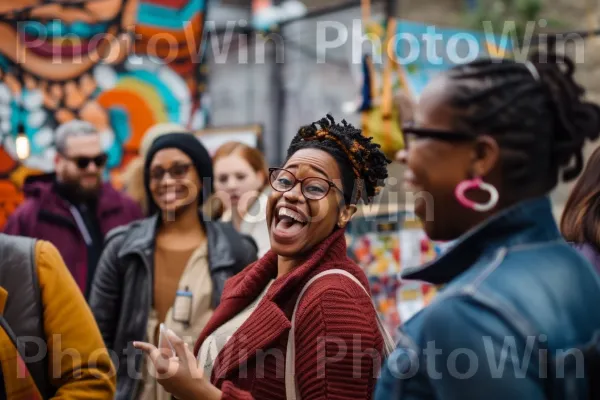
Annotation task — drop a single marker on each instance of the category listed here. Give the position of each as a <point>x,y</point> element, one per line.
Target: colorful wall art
<point>123,65</point>
<point>425,50</point>
<point>383,244</point>
<point>404,58</point>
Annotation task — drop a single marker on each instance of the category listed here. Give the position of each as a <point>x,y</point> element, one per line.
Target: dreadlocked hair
<point>535,111</point>
<point>362,164</point>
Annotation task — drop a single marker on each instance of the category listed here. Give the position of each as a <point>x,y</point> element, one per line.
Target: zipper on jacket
<point>140,316</point>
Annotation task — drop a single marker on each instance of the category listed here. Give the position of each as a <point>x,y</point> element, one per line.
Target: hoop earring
<point>476,183</point>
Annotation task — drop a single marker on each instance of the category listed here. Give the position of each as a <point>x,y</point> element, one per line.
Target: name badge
<point>182,308</point>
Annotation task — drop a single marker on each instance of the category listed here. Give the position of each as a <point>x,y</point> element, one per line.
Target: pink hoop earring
<point>476,183</point>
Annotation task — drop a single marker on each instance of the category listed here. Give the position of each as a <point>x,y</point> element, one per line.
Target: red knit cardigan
<point>252,363</point>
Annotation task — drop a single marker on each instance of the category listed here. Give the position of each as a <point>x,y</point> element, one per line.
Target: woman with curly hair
<point>298,323</point>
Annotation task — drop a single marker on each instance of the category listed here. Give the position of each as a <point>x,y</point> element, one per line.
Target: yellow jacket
<point>79,364</point>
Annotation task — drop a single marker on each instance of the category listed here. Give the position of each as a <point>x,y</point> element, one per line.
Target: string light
<point>22,145</point>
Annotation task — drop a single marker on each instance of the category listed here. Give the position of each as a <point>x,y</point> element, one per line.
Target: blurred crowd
<point>213,276</point>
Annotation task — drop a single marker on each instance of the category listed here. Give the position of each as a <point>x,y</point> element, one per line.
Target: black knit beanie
<point>195,150</point>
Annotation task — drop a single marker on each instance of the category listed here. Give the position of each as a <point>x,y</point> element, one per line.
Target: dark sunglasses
<point>83,162</point>
<point>175,171</point>
<point>411,133</point>
<point>313,188</point>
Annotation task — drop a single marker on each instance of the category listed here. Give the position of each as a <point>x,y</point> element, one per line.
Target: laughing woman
<point>335,341</point>
<point>169,268</point>
<point>489,142</point>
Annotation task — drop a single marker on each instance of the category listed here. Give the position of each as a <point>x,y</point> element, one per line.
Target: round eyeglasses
<point>175,171</point>
<point>312,188</point>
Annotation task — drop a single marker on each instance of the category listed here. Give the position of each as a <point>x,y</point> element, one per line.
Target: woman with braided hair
<point>299,323</point>
<point>487,143</point>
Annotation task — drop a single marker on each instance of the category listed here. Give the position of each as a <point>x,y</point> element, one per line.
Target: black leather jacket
<point>121,295</point>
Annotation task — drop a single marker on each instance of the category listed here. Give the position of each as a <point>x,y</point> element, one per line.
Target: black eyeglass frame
<point>185,168</point>
<point>301,181</point>
<point>436,134</point>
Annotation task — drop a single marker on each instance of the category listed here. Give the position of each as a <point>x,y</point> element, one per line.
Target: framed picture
<point>213,138</point>
<point>383,240</point>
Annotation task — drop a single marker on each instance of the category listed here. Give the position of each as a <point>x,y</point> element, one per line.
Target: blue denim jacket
<point>517,303</point>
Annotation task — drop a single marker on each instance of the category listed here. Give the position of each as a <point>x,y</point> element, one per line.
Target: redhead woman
<point>517,305</point>
<point>580,223</point>
<point>299,323</point>
<point>169,268</point>
<point>242,188</point>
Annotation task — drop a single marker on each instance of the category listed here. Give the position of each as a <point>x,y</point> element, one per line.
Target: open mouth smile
<point>171,195</point>
<point>288,223</point>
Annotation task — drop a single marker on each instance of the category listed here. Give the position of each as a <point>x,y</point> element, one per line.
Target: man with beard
<point>72,208</point>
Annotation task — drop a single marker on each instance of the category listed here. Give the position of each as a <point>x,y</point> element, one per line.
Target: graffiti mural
<point>123,65</point>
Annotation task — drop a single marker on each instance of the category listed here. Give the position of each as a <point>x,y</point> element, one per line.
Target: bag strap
<point>20,252</point>
<point>291,389</point>
<point>39,375</point>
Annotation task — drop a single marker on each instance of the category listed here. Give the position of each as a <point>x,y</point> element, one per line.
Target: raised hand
<point>179,374</point>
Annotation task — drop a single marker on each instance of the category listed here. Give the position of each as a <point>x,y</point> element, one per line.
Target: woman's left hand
<point>179,374</point>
